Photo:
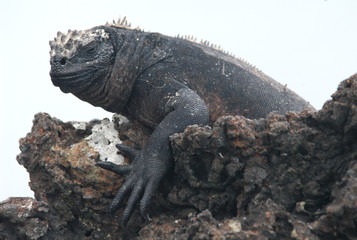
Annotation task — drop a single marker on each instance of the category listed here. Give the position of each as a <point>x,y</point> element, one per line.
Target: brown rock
<point>290,176</point>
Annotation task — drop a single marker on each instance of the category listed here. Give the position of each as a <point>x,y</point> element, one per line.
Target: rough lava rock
<point>290,176</point>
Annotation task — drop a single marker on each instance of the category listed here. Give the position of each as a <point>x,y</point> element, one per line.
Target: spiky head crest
<point>67,43</point>
<point>121,23</point>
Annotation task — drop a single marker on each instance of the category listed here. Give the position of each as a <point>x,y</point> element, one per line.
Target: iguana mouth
<point>73,80</point>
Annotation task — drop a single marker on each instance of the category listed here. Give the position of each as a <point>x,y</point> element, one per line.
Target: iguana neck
<point>112,91</point>
<point>135,52</point>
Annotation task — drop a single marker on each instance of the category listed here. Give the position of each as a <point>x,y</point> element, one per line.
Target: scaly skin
<point>166,83</point>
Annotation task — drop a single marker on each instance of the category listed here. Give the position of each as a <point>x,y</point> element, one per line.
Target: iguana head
<point>81,59</point>
<point>100,65</point>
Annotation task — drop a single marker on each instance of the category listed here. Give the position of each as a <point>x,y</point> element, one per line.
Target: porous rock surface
<point>290,176</point>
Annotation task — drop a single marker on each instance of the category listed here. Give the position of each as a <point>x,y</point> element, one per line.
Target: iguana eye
<point>91,50</point>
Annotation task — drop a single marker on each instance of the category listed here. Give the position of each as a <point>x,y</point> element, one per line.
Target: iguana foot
<point>142,179</point>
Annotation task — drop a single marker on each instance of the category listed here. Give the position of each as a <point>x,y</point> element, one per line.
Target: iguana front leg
<point>150,164</point>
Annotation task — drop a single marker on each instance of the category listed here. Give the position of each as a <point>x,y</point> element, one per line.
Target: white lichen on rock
<point>79,125</point>
<point>103,139</point>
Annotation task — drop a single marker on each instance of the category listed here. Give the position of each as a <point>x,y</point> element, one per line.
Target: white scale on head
<point>67,43</point>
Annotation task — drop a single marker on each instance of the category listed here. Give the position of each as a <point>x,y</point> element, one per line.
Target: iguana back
<point>229,86</point>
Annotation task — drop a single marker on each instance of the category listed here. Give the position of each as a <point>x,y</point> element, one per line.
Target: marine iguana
<point>167,83</point>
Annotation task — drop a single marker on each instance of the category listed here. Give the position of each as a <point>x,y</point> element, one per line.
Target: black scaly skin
<point>166,83</point>
<point>153,161</point>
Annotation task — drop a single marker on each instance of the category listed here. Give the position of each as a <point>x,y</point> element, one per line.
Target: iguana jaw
<point>72,81</point>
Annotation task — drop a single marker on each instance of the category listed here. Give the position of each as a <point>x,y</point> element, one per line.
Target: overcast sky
<point>310,45</point>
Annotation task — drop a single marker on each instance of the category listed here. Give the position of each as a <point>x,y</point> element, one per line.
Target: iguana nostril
<point>63,61</point>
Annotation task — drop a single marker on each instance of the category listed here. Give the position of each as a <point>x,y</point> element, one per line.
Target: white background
<point>310,45</point>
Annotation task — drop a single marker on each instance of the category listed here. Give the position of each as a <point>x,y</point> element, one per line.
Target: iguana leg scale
<point>119,169</point>
<point>133,199</point>
<point>123,190</point>
<point>130,152</point>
